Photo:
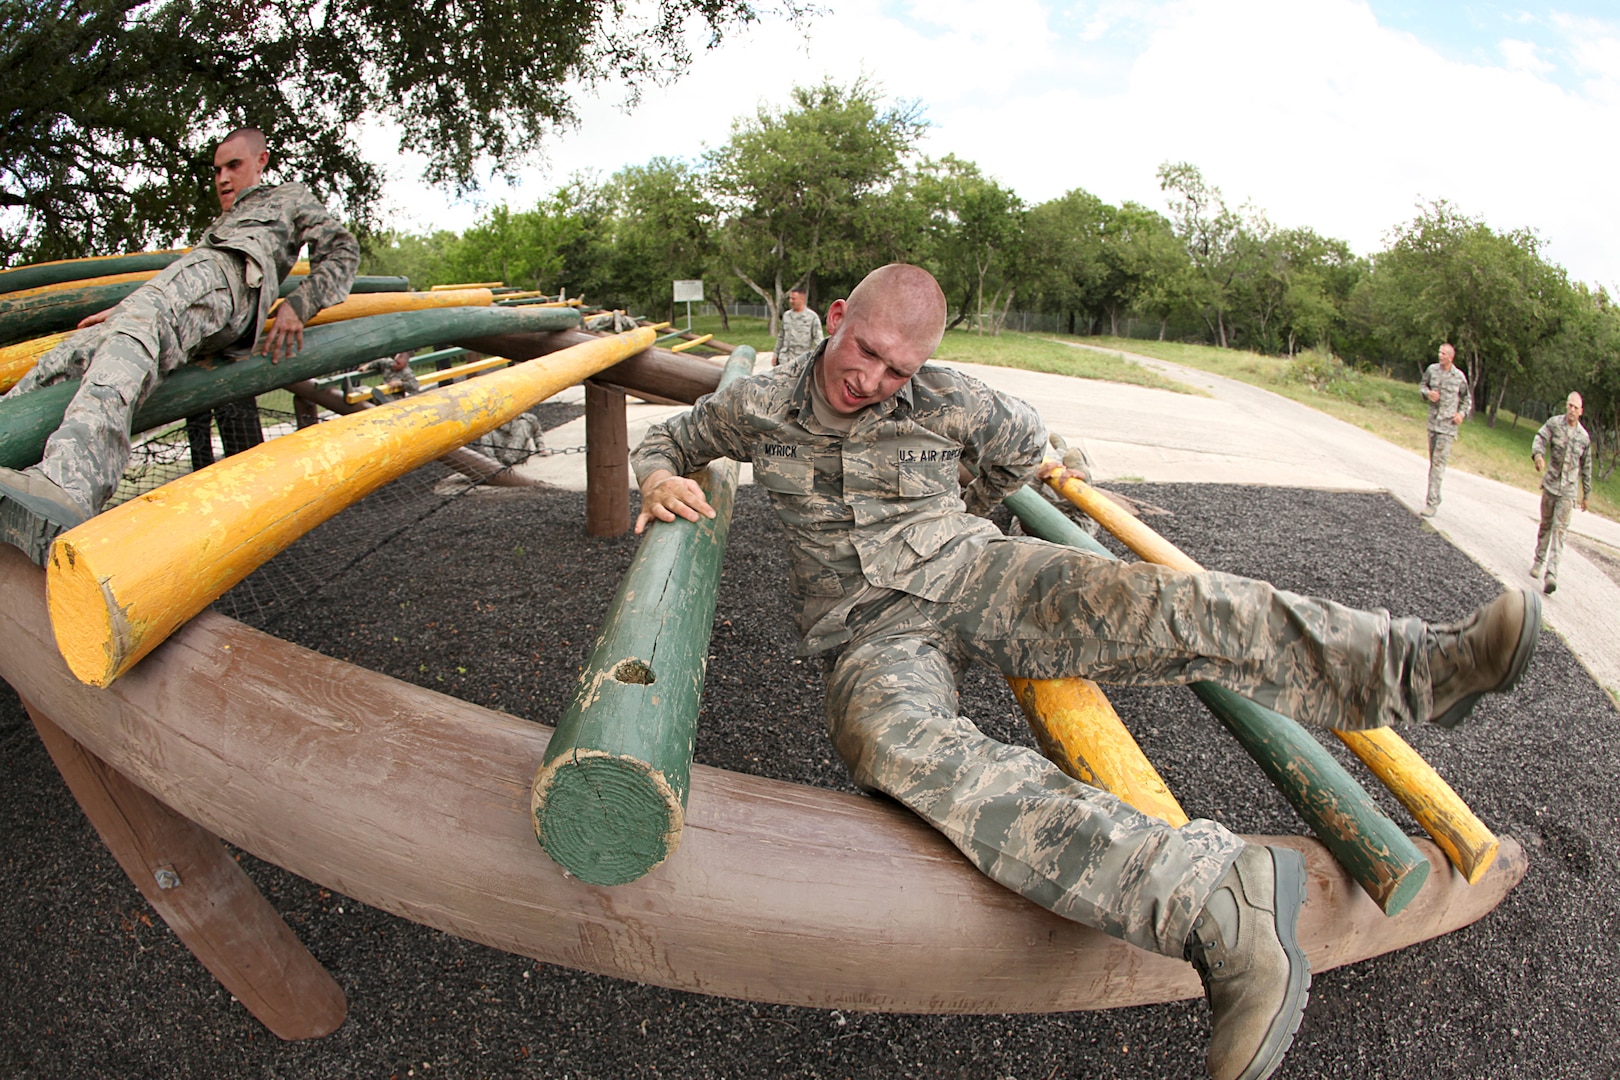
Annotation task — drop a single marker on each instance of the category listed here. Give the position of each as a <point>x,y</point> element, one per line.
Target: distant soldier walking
<point>800,329</point>
<point>1446,390</point>
<point>216,297</point>
<point>1562,453</point>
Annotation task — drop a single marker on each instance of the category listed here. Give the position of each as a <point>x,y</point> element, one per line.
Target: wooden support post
<point>607,461</point>
<point>190,879</point>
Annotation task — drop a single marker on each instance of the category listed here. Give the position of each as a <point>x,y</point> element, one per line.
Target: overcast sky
<point>1335,114</point>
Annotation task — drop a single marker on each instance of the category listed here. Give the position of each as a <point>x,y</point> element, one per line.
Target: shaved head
<point>907,297</point>
<point>250,135</point>
<point>1575,399</point>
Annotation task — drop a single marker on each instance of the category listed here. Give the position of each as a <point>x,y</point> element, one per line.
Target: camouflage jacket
<point>384,366</point>
<point>1568,452</point>
<point>269,226</point>
<point>880,507</point>
<point>1454,397</point>
<point>800,332</point>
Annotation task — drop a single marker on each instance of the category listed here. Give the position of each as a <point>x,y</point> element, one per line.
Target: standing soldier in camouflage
<point>217,297</point>
<point>1562,453</point>
<point>900,587</point>
<point>1446,390</point>
<point>800,330</point>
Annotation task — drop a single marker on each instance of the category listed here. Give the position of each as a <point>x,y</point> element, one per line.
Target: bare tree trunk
<point>1496,404</point>
<point>1164,325</point>
<point>1001,320</point>
<point>770,301</point>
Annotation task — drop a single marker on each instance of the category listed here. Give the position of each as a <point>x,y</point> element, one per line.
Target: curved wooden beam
<point>417,803</point>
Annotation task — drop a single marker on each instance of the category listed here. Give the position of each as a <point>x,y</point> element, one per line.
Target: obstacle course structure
<point>424,806</point>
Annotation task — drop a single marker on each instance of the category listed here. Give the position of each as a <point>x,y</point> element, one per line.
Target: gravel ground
<point>97,986</point>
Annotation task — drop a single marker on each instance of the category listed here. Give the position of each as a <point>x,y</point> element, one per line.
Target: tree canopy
<point>112,107</point>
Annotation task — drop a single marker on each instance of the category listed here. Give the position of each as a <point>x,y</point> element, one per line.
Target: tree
<point>423,259</point>
<point>1211,234</point>
<point>111,107</point>
<point>1139,251</point>
<point>549,247</point>
<point>976,232</point>
<point>799,189</point>
<point>1450,277</point>
<point>1066,246</point>
<point>661,221</point>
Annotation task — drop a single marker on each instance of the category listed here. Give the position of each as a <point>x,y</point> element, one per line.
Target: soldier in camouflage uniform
<point>1446,390</point>
<point>397,369</point>
<point>1562,453</point>
<point>900,586</point>
<point>800,329</point>
<point>216,297</point>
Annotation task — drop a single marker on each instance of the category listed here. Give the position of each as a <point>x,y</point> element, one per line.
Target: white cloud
<point>1310,108</point>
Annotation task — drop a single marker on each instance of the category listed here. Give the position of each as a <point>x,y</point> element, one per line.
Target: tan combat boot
<point>34,511</point>
<point>1485,653</point>
<point>1246,949</point>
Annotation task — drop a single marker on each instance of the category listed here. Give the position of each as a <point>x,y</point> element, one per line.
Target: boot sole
<point>1288,880</point>
<point>1529,632</point>
<point>22,528</point>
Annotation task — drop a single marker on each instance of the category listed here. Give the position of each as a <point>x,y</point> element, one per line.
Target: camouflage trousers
<point>1556,511</point>
<point>1037,610</point>
<point>1439,453</point>
<point>199,303</point>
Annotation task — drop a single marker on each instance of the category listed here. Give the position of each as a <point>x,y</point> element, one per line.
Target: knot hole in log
<point>633,671</point>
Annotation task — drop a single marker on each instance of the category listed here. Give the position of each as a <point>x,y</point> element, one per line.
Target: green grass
<point>1040,352</point>
<point>1387,407</point>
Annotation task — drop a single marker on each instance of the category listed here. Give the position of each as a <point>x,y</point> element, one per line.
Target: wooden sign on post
<point>691,292</point>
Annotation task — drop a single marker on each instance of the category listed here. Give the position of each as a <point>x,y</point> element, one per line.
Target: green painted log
<point>38,275</point>
<point>24,317</point>
<point>609,799</point>
<point>27,421</point>
<point>1370,846</point>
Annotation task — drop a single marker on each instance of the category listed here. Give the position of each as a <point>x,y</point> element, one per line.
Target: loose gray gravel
<point>96,986</point>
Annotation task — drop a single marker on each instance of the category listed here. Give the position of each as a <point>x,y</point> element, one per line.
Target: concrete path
<point>1233,433</point>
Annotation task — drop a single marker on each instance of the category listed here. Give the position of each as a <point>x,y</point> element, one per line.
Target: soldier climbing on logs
<point>899,587</point>
<point>216,297</point>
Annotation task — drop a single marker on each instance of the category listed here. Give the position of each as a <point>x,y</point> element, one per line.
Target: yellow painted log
<point>1079,731</point>
<point>364,304</point>
<point>522,294</point>
<point>84,283</point>
<point>694,343</point>
<point>1464,838</point>
<point>488,363</point>
<point>474,368</point>
<point>122,582</point>
<point>19,359</point>
<point>1459,832</point>
<point>467,285</point>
